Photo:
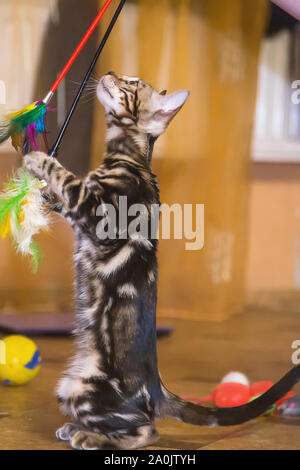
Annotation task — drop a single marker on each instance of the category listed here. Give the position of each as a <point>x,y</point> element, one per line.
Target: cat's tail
<point>191,413</point>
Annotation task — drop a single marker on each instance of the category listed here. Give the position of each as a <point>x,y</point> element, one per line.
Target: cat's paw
<point>33,163</point>
<point>68,430</point>
<point>85,440</point>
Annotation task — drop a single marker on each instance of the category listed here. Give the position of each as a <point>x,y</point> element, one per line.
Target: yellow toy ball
<point>20,360</point>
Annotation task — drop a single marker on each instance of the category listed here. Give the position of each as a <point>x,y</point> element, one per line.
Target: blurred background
<point>235,146</point>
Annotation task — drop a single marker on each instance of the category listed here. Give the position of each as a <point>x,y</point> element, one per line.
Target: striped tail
<point>204,416</point>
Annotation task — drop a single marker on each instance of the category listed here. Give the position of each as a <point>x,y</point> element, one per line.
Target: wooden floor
<point>192,361</point>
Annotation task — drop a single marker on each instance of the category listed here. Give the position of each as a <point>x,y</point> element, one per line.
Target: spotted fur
<point>112,390</point>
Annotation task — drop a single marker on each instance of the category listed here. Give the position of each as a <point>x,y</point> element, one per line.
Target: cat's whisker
<point>84,93</point>
<point>89,100</point>
<point>88,86</point>
<point>95,77</point>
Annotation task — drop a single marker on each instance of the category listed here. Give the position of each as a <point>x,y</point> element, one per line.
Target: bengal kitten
<point>112,390</point>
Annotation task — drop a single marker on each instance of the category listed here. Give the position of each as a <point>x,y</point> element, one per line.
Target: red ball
<point>231,394</point>
<point>257,388</point>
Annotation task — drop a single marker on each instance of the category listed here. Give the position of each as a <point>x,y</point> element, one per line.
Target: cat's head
<point>135,103</point>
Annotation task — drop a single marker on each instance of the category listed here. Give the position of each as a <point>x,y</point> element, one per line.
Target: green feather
<point>14,192</point>
<point>23,120</point>
<point>37,257</point>
<point>18,122</point>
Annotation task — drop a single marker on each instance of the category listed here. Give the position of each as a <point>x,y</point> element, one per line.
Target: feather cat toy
<point>22,212</point>
<point>23,126</point>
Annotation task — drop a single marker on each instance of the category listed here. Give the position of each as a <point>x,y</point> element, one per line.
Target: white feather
<point>33,218</point>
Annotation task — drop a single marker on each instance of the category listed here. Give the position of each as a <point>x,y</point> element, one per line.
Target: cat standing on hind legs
<point>112,391</point>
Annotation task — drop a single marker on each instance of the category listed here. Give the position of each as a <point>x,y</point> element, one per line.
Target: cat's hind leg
<point>124,439</point>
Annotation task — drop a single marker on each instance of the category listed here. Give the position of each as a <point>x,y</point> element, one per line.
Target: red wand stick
<point>77,50</point>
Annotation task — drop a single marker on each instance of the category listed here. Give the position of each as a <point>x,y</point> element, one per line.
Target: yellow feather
<point>24,110</point>
<point>5,228</point>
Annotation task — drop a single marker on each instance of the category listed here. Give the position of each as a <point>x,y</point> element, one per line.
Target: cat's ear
<point>173,102</point>
<point>168,106</point>
<point>164,108</point>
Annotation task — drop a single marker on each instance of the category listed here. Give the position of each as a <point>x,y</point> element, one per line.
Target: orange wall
<point>274,237</point>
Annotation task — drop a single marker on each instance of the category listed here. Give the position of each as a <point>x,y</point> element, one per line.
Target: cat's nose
<point>108,81</point>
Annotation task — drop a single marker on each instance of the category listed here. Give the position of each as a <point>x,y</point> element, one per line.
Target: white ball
<point>237,377</point>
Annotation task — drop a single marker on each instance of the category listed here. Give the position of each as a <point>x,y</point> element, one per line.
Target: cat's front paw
<point>33,163</point>
<point>67,431</point>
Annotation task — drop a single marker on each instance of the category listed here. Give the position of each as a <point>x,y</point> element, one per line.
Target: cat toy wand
<point>22,213</point>
<point>24,125</point>
<point>55,148</point>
